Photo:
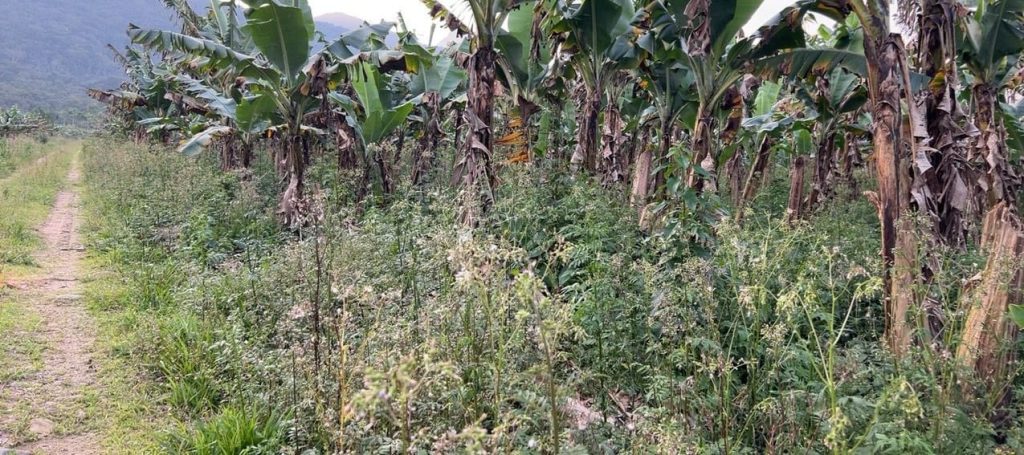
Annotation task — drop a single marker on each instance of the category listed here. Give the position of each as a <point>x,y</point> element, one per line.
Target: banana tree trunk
<point>613,168</point>
<point>245,150</point>
<point>279,152</point>
<point>937,56</point>
<point>1003,183</point>
<point>473,174</point>
<point>884,55</point>
<point>851,158</point>
<point>794,206</point>
<point>585,155</point>
<point>227,154</point>
<point>460,115</point>
<point>668,132</point>
<point>821,188</point>
<point>641,176</point>
<point>734,167</point>
<point>702,156</point>
<point>757,168</point>
<point>380,159</point>
<point>290,208</point>
<point>555,134</point>
<point>431,138</point>
<point>989,337</point>
<point>347,146</point>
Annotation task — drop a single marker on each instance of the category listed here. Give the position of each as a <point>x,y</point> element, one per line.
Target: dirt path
<point>45,411</point>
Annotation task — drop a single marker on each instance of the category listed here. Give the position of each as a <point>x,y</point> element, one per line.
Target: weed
<point>558,325</point>
<point>232,431</point>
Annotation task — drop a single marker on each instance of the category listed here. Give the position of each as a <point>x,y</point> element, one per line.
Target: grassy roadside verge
<point>18,152</point>
<point>21,353</point>
<point>27,190</point>
<point>128,415</point>
<point>26,196</point>
<point>147,217</point>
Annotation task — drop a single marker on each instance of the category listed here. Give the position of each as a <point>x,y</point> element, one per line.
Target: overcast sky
<point>418,20</point>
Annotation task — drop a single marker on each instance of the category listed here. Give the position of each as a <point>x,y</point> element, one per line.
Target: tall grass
<point>558,326</point>
<point>27,194</point>
<point>16,152</point>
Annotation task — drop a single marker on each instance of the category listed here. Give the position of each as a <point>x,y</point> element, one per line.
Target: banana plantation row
<point>669,100</point>
<point>14,122</point>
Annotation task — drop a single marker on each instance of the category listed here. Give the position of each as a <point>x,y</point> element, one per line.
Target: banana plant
<point>831,95</point>
<point>881,58</point>
<point>336,65</point>
<point>770,118</point>
<point>473,173</point>
<point>719,59</point>
<point>379,113</point>
<point>990,51</point>
<point>662,74</point>
<point>274,77</point>
<point>525,70</point>
<point>889,84</point>
<point>142,95</point>
<point>595,38</point>
<point>702,35</point>
<point>434,88</point>
<point>14,122</point>
<point>944,184</point>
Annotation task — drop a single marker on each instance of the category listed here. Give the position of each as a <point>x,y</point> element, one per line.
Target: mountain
<point>340,20</point>
<point>334,24</point>
<point>53,50</point>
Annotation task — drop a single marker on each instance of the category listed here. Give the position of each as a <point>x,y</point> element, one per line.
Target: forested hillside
<point>54,50</point>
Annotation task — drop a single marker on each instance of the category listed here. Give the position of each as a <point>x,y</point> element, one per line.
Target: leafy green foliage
<point>381,113</point>
<point>233,431</point>
<point>278,32</point>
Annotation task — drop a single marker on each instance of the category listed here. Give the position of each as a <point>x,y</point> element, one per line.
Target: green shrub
<point>559,323</point>
<point>230,432</point>
<point>186,359</point>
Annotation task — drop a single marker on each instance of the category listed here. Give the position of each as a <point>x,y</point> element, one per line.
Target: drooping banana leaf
<point>221,105</point>
<point>846,92</point>
<point>514,41</point>
<point>176,42</point>
<point>593,25</point>
<point>766,97</point>
<point>200,141</point>
<point>1012,115</point>
<point>302,5</point>
<point>785,30</point>
<point>229,28</point>
<point>727,18</point>
<point>365,38</point>
<point>800,63</point>
<point>255,114</point>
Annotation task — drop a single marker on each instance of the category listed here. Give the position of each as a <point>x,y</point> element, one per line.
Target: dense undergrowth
<point>558,326</point>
